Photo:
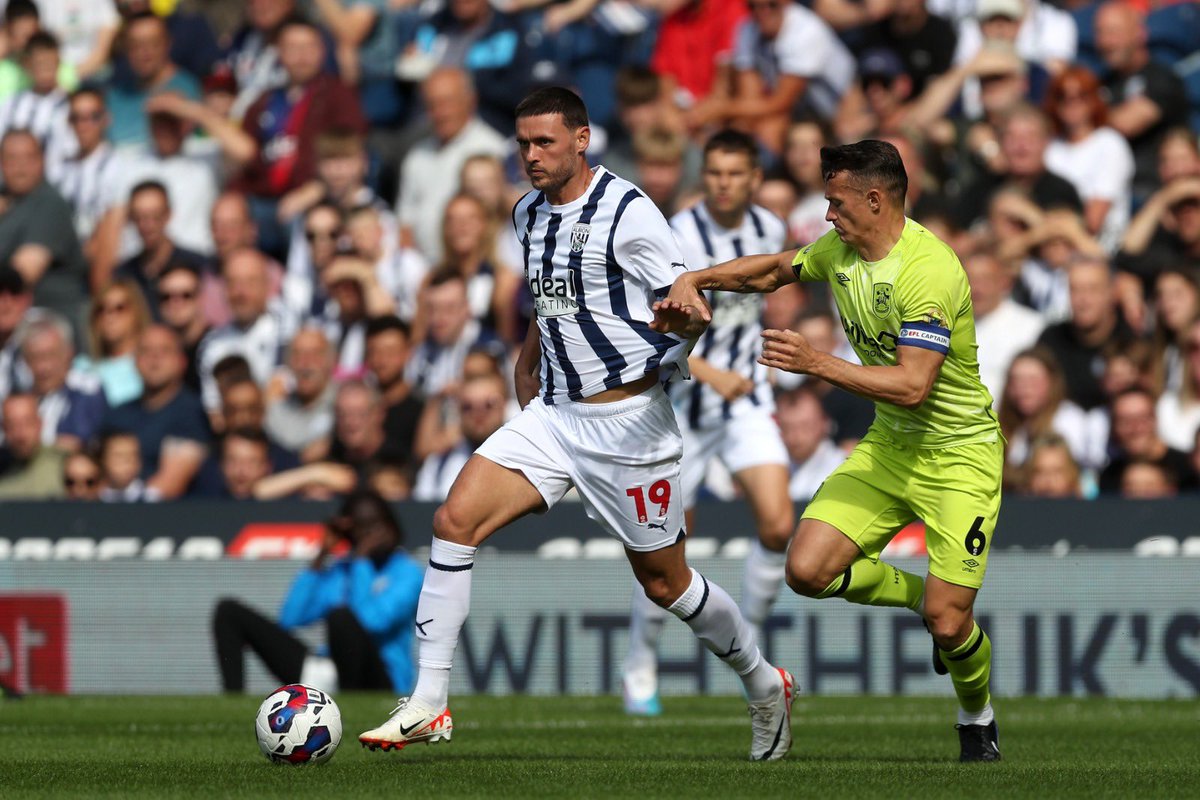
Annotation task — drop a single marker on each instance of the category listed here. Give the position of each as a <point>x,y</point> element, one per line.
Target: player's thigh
<point>699,448</point>
<point>956,491</point>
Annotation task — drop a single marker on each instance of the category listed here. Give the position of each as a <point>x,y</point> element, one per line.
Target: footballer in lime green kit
<point>934,451</point>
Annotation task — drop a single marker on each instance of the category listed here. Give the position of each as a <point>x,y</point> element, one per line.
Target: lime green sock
<point>874,583</point>
<point>970,666</point>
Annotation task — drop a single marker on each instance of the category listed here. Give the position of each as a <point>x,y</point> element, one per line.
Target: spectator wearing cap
<point>36,234</point>
<point>1146,99</point>
<point>925,42</point>
<point>878,103</point>
<point>150,212</point>
<point>71,404</point>
<point>1135,438</point>
<point>148,48</point>
<point>29,469</point>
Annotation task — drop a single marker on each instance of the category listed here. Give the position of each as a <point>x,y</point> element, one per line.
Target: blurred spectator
<point>305,414</point>
<point>29,470</point>
<point>178,296</point>
<point>1051,470</point>
<point>324,235</point>
<point>258,330</point>
<point>785,56</point>
<point>1146,98</point>
<point>356,294</point>
<point>484,178</point>
<point>1040,32</point>
<point>245,460</point>
<point>359,438</point>
<point>451,333</point>
<point>693,51</point>
<point>117,320</point>
<point>1165,232</point>
<point>925,42</point>
<point>1179,409</point>
<point>879,102</point>
<point>1083,141</point>
<point>802,167</point>
<point>253,55</point>
<point>1077,344</point>
<point>481,411</point>
<point>168,420</point>
<point>1178,155</point>
<point>36,234</point>
<point>1003,327</point>
<point>1034,403</point>
<point>233,229</point>
<point>89,177</point>
<point>1045,245</point>
<point>88,31</point>
<point>368,42</point>
<point>428,173</point>
<point>150,212</point>
<point>389,345</point>
<point>1148,480</point>
<point>16,308</point>
<point>193,44</point>
<point>1177,304</point>
<point>850,414</point>
<point>81,477</point>
<point>285,123</point>
<point>121,468</point>
<point>1131,366</point>
<point>366,597</point>
<point>147,44</point>
<point>1135,439</point>
<point>658,155</point>
<point>21,22</point>
<point>642,106</point>
<point>243,408</point>
<point>70,405</point>
<point>1024,136</point>
<point>393,480</point>
<point>489,44</point>
<point>321,480</point>
<point>806,434</point>
<point>42,108</point>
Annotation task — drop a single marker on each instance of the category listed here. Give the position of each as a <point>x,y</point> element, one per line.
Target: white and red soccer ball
<point>298,724</point>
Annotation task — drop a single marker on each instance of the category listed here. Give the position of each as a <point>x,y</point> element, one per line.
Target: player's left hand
<point>674,316</point>
<point>788,351</point>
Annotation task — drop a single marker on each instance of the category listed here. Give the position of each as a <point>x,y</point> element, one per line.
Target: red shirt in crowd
<point>695,40</point>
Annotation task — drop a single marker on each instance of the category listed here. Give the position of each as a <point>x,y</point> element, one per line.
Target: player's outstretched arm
<point>749,274</point>
<point>906,384</point>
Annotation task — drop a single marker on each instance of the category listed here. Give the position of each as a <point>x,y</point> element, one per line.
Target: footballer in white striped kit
<point>727,411</point>
<point>600,259</point>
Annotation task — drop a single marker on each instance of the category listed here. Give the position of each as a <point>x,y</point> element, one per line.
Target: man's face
<point>730,180</point>
<point>81,478</point>
<point>246,286</point>
<point>311,363</point>
<point>148,47</point>
<point>322,228</point>
<point>301,54</point>
<point>1000,92</point>
<point>244,462</point>
<point>1023,143</point>
<point>179,299</point>
<point>357,422</point>
<point>1119,35</point>
<point>242,406</point>
<point>803,426</point>
<point>232,225</point>
<point>1135,425</point>
<point>849,211</point>
<point>448,102</point>
<point>1091,295</point>
<point>550,150</point>
<point>767,15</point>
<point>468,11</point>
<point>21,164</point>
<point>22,426</point>
<point>449,311</point>
<point>987,280</point>
<point>387,355</point>
<point>49,360</point>
<point>167,134</point>
<point>342,174</point>
<point>89,121</point>
<point>42,66</point>
<point>160,361</point>
<point>150,214</point>
<point>481,409</point>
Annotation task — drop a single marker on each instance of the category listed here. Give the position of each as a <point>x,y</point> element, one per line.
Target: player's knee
<point>807,578</point>
<point>450,525</point>
<point>659,590</point>
<point>950,627</point>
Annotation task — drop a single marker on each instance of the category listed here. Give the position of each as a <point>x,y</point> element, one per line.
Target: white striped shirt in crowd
<point>43,115</point>
<point>262,345</point>
<point>432,367</point>
<point>91,185</point>
<point>733,340</point>
<point>595,267</point>
<point>438,472</point>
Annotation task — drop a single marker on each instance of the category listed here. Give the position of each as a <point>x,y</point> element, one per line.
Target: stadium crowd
<point>263,249</point>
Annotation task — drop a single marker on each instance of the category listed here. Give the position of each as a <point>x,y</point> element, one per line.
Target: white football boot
<point>771,722</point>
<point>410,722</point>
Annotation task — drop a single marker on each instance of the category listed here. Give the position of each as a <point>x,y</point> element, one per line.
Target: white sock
<point>712,615</point>
<point>760,585</point>
<point>441,612</point>
<point>981,717</point>
<point>646,620</point>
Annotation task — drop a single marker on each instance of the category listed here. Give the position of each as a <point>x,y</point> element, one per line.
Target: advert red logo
<point>33,642</point>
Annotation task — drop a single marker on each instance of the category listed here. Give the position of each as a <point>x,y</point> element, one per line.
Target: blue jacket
<point>384,601</point>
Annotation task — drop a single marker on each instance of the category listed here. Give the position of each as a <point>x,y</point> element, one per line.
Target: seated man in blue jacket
<point>368,600</point>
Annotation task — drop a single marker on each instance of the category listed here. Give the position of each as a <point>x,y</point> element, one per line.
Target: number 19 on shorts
<point>659,495</point>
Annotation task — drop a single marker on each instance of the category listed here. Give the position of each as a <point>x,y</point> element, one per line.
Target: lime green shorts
<point>884,486</point>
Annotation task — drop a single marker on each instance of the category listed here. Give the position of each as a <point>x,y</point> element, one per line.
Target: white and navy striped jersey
<point>733,340</point>
<point>90,185</point>
<point>595,267</point>
<point>43,115</point>
<point>262,345</point>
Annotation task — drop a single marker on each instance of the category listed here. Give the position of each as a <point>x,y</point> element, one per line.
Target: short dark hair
<point>1134,391</point>
<point>637,86</point>
<point>384,324</point>
<point>256,435</point>
<point>42,40</point>
<point>441,277</point>
<point>871,162</point>
<point>150,186</point>
<point>88,91</point>
<point>555,100</point>
<point>177,266</point>
<point>731,141</point>
<point>298,21</point>
<point>232,369</point>
<point>21,9</point>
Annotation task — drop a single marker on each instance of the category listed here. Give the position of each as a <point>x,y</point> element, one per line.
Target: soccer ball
<point>298,724</point>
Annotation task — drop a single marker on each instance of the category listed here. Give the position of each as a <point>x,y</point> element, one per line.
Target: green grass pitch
<point>846,747</point>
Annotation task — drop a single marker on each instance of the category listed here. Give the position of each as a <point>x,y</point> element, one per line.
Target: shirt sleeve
<point>925,298</point>
<point>646,247</point>
<point>808,265</point>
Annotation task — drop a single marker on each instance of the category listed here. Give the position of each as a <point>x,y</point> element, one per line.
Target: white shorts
<point>623,457</point>
<point>748,440</point>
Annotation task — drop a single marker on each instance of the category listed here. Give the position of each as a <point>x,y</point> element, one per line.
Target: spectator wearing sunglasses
<point>81,477</point>
<point>179,306</point>
<point>481,412</point>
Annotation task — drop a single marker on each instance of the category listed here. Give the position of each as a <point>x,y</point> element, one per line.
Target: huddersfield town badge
<point>579,236</point>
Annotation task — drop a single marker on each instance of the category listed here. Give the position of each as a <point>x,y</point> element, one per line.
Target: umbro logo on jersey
<point>579,236</point>
<point>843,278</point>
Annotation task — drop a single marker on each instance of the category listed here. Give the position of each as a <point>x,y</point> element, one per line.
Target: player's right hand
<point>683,294</point>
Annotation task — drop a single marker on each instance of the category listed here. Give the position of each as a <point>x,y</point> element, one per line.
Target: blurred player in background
<point>597,253</point>
<point>934,452</point>
<point>726,412</point>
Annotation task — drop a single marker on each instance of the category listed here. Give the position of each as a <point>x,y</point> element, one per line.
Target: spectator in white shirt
<point>1003,327</point>
<point>806,435</point>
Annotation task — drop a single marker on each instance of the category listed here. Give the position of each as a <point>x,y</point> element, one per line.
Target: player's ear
<point>583,137</point>
<point>874,200</point>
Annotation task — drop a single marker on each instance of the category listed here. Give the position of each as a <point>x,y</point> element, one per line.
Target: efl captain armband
<point>922,334</point>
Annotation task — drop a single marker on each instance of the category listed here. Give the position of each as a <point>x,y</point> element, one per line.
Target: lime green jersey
<point>916,296</point>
